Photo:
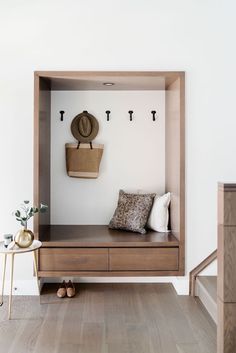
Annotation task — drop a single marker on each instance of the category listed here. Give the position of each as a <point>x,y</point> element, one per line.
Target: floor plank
<point>115,317</point>
<point>93,338</point>
<point>202,325</point>
<point>177,322</point>
<point>188,348</point>
<point>108,318</point>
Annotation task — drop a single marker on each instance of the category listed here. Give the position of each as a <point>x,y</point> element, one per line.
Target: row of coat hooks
<point>153,112</point>
<point>108,112</point>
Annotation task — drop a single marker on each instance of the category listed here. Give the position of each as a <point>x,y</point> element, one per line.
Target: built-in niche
<point>143,155</point>
<point>133,158</point>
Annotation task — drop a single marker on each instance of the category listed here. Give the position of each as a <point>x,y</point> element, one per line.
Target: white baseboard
<point>22,287</point>
<point>29,287</point>
<point>181,285</point>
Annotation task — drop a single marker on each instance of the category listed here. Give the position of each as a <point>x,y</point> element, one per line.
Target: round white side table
<point>4,251</point>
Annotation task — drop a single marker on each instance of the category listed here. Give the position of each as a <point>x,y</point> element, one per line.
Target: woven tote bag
<point>83,160</point>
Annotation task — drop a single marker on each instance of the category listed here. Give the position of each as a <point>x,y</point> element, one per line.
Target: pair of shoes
<point>66,289</point>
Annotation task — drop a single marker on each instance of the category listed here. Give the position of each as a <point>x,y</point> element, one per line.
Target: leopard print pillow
<point>132,212</point>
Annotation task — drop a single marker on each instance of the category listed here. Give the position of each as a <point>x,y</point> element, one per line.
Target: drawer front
<point>67,259</point>
<point>143,259</point>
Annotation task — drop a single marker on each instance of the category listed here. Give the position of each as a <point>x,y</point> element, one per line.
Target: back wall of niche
<point>133,158</point>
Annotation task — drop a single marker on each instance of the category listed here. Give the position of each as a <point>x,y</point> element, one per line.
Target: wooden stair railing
<point>198,269</point>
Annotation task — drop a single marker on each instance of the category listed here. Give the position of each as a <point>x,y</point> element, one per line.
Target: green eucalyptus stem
<point>25,212</point>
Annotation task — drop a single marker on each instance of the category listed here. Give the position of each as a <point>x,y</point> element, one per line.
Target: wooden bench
<point>96,250</point>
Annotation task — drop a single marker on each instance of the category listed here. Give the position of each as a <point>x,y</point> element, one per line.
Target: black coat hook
<point>62,113</point>
<point>130,115</point>
<point>108,114</point>
<point>153,115</point>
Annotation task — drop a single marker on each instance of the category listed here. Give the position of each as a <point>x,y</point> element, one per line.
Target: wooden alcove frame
<point>173,83</point>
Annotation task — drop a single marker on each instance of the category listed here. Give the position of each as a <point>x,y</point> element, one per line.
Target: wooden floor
<point>108,318</point>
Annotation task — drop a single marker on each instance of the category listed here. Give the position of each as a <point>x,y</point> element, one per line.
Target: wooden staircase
<point>205,287</point>
<point>206,291</point>
<point>218,293</point>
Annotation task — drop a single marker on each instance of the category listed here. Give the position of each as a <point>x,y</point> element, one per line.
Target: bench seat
<point>96,250</point>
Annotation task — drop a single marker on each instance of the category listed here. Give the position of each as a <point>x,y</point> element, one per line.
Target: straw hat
<point>84,127</point>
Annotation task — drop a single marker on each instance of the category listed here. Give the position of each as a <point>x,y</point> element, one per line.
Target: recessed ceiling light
<point>108,83</point>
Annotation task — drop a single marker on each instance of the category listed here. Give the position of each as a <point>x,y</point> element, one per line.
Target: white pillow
<point>159,216</point>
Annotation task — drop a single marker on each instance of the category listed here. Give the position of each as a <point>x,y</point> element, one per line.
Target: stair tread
<point>210,284</point>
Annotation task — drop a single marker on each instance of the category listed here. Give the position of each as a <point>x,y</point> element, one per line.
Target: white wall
<point>192,35</point>
<point>133,158</point>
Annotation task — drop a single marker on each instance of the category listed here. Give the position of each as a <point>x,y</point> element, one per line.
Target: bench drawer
<point>76,259</point>
<point>143,259</point>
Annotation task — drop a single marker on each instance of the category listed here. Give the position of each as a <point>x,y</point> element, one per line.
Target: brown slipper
<point>61,292</point>
<point>70,289</point>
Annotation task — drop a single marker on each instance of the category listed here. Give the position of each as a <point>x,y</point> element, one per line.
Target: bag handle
<point>91,145</point>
